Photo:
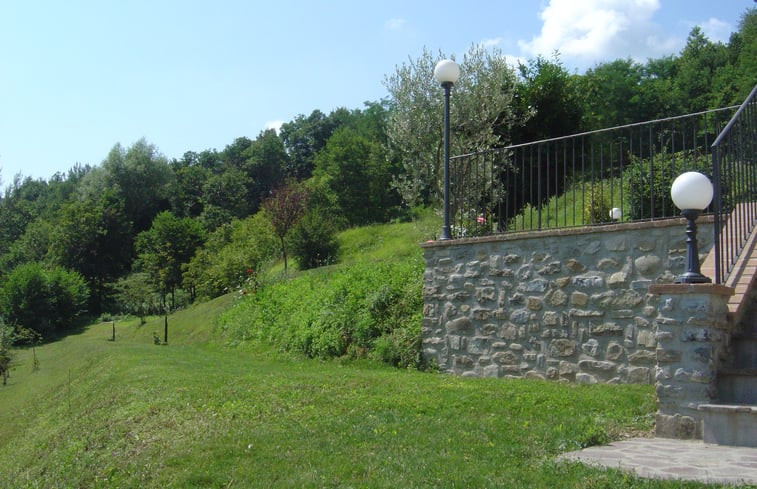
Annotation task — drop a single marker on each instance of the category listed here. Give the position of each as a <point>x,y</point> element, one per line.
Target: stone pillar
<point>692,331</point>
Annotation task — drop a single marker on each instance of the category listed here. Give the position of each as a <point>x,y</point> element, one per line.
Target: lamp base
<point>692,278</point>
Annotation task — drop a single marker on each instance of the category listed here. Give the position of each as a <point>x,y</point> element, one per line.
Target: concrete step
<point>737,385</point>
<point>729,424</point>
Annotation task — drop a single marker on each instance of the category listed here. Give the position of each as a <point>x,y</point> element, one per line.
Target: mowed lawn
<point>196,413</point>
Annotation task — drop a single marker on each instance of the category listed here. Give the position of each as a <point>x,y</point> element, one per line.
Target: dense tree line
<point>141,233</point>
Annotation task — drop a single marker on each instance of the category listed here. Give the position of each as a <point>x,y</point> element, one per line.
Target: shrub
<point>364,310</point>
<point>596,203</point>
<point>313,241</point>
<point>45,300</point>
<point>648,182</point>
<point>232,258</point>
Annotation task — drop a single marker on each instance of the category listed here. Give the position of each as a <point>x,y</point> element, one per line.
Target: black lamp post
<point>692,193</point>
<point>446,72</point>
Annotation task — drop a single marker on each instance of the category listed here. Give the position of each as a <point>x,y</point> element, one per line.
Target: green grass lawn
<point>198,413</point>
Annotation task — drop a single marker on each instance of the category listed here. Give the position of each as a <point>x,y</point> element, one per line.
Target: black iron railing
<point>579,180</point>
<point>735,181</point>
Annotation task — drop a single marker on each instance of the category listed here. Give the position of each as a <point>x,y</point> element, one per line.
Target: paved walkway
<point>663,458</point>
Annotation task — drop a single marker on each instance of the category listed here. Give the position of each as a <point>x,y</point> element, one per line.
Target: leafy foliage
<point>649,180</point>
<point>47,301</point>
<point>345,312</point>
<point>232,259</point>
<point>480,108</point>
<point>169,243</point>
<point>313,241</point>
<point>285,207</point>
<point>6,352</point>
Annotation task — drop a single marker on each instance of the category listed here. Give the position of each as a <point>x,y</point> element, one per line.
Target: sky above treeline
<point>77,77</point>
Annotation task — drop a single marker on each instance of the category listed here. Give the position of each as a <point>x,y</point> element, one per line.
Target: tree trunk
<point>284,253</point>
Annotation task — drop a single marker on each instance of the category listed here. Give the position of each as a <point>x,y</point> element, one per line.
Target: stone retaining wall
<point>568,305</point>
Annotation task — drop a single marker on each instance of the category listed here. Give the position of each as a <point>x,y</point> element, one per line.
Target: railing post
<point>717,206</point>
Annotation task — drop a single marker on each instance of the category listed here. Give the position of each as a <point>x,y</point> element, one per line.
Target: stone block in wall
<point>556,298</point>
<point>478,345</point>
<point>617,299</point>
<point>646,338</point>
<point>606,264</point>
<point>536,285</point>
<point>616,243</point>
<point>562,348</point>
<point>551,318</point>
<point>639,375</point>
<point>461,325</point>
<point>588,282</point>
<point>535,304</point>
<point>591,347</point>
<point>642,357</point>
<point>584,378</point>
<point>579,299</point>
<point>608,328</point>
<point>597,366</point>
<point>520,316</point>
<point>648,265</point>
<point>614,351</point>
<point>461,361</point>
<point>505,358</point>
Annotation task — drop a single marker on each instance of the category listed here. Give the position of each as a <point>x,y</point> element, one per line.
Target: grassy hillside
<point>199,413</point>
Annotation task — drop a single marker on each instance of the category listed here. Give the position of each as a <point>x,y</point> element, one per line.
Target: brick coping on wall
<point>574,231</point>
<point>683,289</point>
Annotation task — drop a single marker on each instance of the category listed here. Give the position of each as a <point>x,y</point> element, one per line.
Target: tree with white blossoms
<point>480,112</point>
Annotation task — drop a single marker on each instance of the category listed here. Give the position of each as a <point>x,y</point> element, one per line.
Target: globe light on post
<point>446,73</point>
<point>692,193</point>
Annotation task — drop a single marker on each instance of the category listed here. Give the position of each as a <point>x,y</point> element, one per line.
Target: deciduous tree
<point>284,208</point>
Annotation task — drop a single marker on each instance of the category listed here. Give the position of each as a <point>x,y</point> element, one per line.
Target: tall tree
<point>139,176</point>
<point>611,94</point>
<point>94,237</point>
<point>359,175</point>
<point>165,247</point>
<point>225,197</point>
<point>698,65</point>
<point>265,166</point>
<point>304,137</point>
<point>286,205</point>
<point>547,100</point>
<point>481,101</point>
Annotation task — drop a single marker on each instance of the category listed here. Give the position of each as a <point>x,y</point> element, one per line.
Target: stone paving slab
<point>663,458</point>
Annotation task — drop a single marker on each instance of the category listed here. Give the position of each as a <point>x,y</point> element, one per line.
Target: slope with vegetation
<point>145,234</point>
<point>199,412</point>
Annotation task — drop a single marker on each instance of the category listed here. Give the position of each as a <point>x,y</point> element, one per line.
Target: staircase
<point>732,418</point>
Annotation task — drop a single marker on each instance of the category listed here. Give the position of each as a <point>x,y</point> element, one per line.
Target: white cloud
<point>514,61</point>
<point>589,31</point>
<point>489,43</point>
<point>716,29</point>
<point>394,24</point>
<point>273,125</point>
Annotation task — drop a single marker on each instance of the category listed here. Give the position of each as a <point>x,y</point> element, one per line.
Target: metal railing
<point>735,183</point>
<point>579,180</point>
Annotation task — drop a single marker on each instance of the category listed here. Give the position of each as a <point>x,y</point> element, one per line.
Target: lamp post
<point>446,72</point>
<point>692,193</point>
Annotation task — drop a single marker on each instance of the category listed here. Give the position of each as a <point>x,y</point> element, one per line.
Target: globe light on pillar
<point>446,72</point>
<point>692,193</point>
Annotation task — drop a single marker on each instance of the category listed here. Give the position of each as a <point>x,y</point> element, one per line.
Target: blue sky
<point>77,77</point>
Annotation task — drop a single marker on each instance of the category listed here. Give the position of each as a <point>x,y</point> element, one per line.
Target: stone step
<point>729,424</point>
<point>744,352</point>
<point>737,385</point>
